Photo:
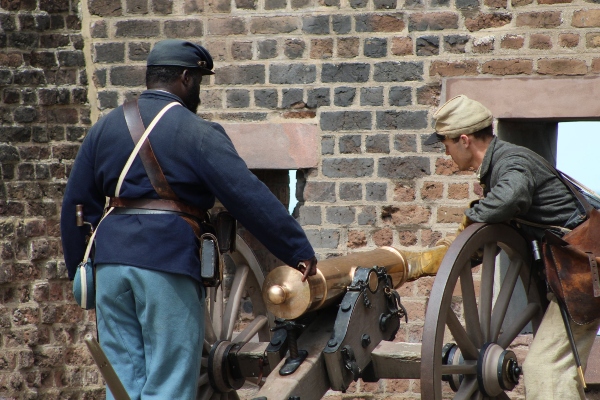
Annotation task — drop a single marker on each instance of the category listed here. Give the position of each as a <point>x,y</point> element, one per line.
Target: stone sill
<point>565,98</point>
<point>275,145</point>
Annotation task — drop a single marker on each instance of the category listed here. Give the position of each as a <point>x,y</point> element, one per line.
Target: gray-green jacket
<point>518,184</point>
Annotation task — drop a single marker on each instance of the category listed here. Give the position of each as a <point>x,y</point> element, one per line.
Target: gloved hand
<point>307,267</point>
<point>463,224</point>
<point>446,241</point>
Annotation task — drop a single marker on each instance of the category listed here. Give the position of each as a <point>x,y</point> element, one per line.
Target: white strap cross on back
<point>135,151</point>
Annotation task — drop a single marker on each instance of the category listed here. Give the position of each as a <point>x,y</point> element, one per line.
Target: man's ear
<point>465,140</point>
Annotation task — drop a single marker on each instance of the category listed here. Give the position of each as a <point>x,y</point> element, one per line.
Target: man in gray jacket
<point>516,184</point>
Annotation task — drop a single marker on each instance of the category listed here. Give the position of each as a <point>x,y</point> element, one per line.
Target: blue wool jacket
<point>199,162</point>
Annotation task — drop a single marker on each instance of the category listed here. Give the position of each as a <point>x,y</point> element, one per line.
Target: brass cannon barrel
<point>286,296</point>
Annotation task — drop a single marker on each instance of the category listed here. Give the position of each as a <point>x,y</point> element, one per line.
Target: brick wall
<point>368,73</point>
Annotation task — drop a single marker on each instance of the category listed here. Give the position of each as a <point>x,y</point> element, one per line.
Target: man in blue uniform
<point>150,302</point>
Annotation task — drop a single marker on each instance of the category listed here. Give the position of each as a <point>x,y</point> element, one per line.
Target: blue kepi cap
<point>180,53</point>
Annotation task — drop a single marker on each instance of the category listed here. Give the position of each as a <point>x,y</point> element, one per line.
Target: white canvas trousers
<point>549,370</point>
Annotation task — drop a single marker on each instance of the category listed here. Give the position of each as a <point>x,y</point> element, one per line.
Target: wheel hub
<point>219,371</point>
<point>451,355</point>
<point>497,370</point>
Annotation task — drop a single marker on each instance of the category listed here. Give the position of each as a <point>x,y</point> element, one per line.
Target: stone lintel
<point>275,145</point>
<point>558,98</point>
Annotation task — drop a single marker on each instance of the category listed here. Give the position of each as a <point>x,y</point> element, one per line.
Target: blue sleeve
<point>249,200</point>
<point>81,189</point>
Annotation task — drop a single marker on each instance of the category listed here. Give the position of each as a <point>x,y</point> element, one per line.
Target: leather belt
<point>155,206</point>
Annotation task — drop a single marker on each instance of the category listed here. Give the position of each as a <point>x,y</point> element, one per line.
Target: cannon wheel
<point>477,362</point>
<point>222,313</point>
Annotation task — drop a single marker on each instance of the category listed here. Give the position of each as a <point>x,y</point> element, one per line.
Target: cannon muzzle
<point>286,296</point>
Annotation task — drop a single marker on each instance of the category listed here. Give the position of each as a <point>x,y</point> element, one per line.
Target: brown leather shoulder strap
<point>153,169</point>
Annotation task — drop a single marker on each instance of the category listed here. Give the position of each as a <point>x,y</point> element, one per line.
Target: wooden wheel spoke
<point>216,303</point>
<point>467,388</point>
<point>470,307</point>
<point>252,329</point>
<point>517,326</point>
<point>468,349</point>
<point>209,330</point>
<point>506,291</point>
<point>206,392</point>
<point>488,269</point>
<point>203,380</point>
<point>233,304</point>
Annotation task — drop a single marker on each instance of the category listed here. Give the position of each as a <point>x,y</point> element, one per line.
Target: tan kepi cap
<point>459,116</point>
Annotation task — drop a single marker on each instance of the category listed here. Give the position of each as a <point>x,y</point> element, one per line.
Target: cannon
<point>305,339</point>
<point>339,325</point>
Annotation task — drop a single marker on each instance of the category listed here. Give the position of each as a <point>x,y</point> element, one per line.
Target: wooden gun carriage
<point>465,349</point>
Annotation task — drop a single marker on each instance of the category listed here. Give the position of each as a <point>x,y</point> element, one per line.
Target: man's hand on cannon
<point>307,267</point>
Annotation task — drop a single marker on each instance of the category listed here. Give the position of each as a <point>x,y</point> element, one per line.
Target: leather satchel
<point>571,262</point>
<point>571,265</point>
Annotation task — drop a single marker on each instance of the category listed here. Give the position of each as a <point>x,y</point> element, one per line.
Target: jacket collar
<point>484,168</point>
<point>161,94</point>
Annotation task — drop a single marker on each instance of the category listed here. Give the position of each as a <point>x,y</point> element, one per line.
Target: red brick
<point>274,25</point>
<point>496,3</point>
<point>520,3</point>
<point>429,95</point>
<point>434,21</point>
<point>595,66</point>
<point>321,48</point>
<point>226,26</point>
<point>561,66</point>
<point>586,19</point>
<point>356,239</point>
<point>383,237</point>
<point>402,46</point>
<point>458,191</point>
<point>105,8</point>
<point>544,19</point>
<point>484,44</point>
<point>348,47</point>
<point>513,42</point>
<point>592,40</point>
<point>486,21</point>
<point>405,214</point>
<point>447,214</point>
<point>404,193</point>
<point>382,22</point>
<point>429,238</point>
<point>407,238</point>
<point>12,59</point>
<point>568,39</point>
<point>445,166</point>
<point>453,68</point>
<point>193,6</point>
<point>432,190</point>
<point>540,42</point>
<point>223,6</point>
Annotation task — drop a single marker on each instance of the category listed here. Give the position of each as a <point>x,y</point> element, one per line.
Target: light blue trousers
<point>151,327</point>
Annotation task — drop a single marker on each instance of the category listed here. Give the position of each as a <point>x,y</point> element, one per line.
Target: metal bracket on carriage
<point>296,356</point>
<point>358,328</point>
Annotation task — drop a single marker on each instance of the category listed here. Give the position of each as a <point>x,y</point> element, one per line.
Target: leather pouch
<point>226,228</point>
<point>571,265</point>
<point>211,270</point>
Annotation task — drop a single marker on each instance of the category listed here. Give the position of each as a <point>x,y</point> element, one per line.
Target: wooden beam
<point>397,360</point>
